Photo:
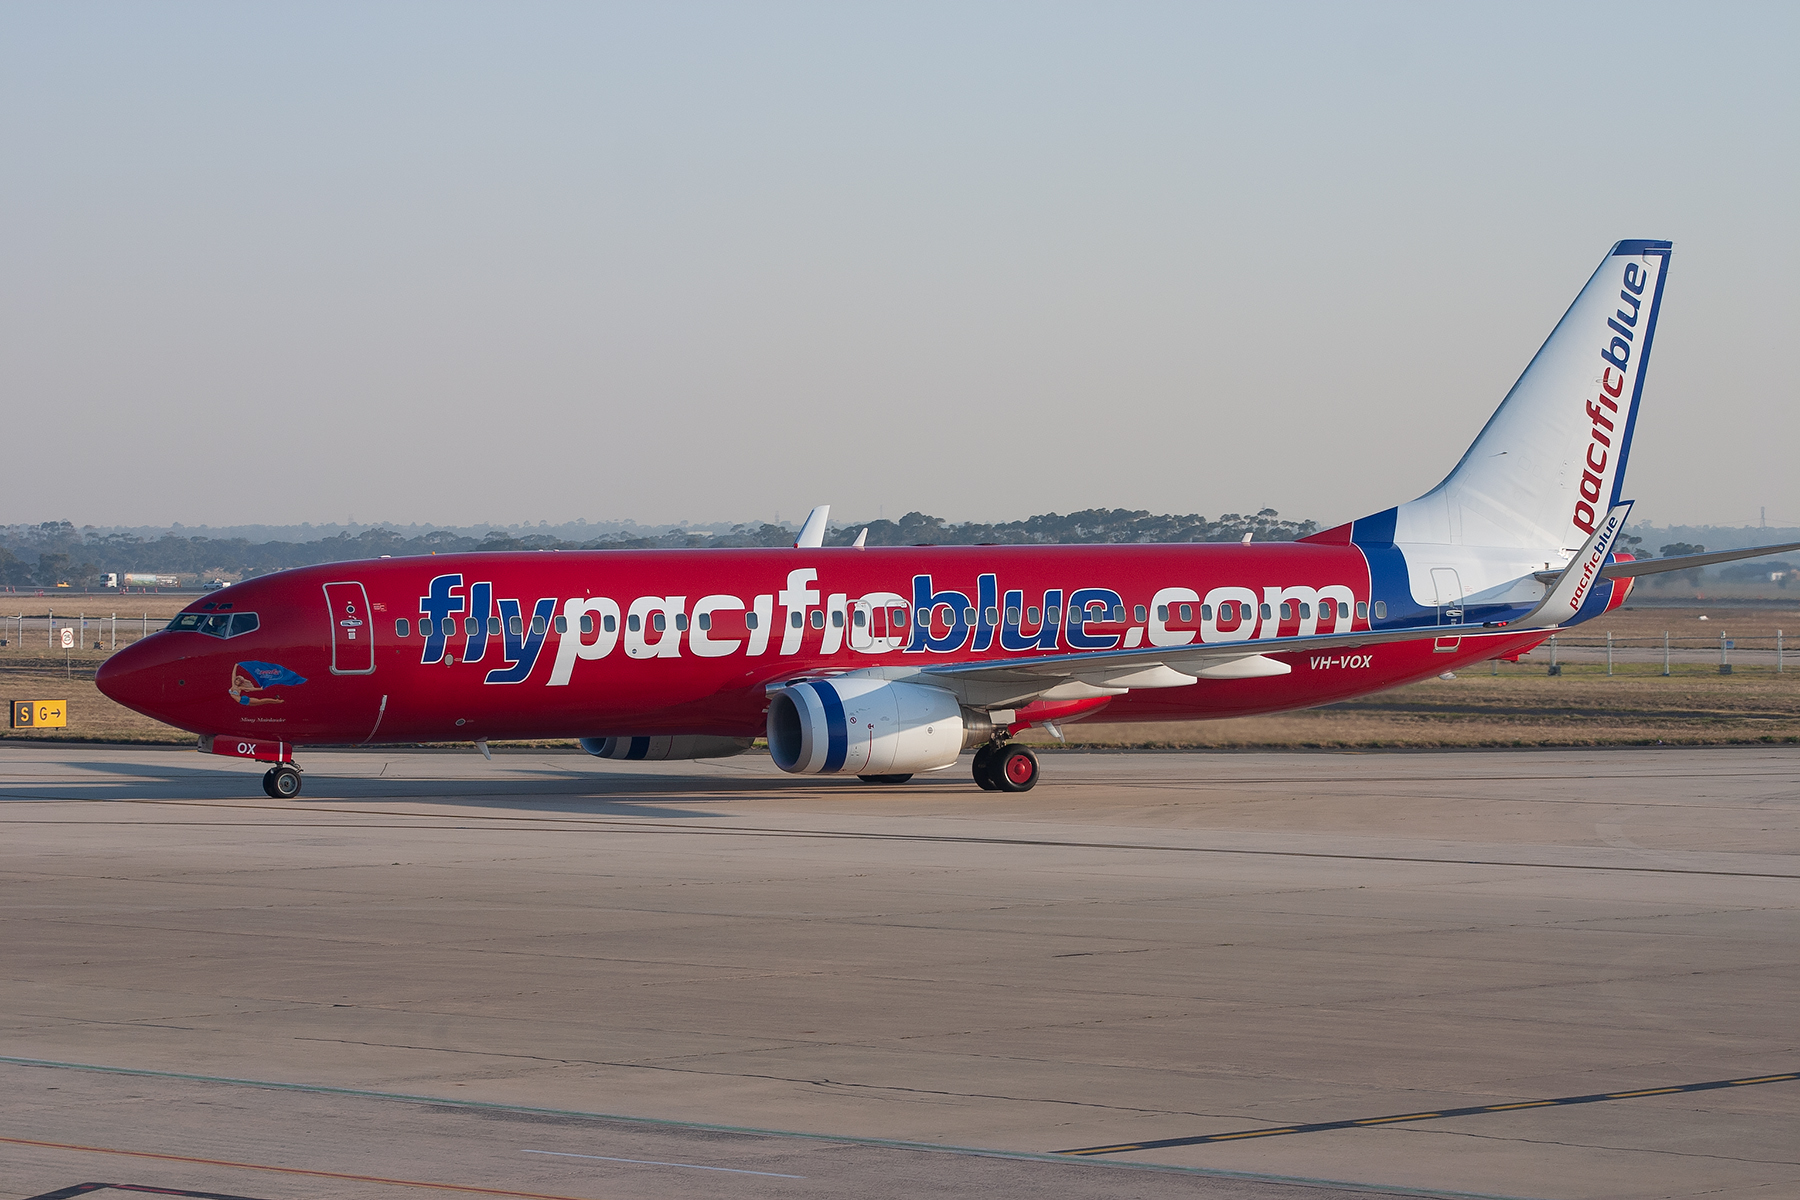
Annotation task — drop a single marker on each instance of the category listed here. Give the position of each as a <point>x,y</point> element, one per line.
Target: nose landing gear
<point>1005,767</point>
<point>282,782</point>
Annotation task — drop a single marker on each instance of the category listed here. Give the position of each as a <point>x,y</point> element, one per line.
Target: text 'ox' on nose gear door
<point>352,633</point>
<point>1449,603</point>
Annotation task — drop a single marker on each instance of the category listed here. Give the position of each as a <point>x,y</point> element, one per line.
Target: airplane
<point>884,663</point>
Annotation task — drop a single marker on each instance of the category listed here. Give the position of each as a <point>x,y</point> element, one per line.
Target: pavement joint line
<point>84,1189</point>
<point>669,1123</point>
<point>275,1170</point>
<point>576,825</point>
<point>1471,1111</point>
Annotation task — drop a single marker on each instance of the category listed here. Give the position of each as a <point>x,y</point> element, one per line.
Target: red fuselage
<point>627,643</point>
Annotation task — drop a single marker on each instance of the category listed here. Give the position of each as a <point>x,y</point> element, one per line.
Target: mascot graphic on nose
<point>250,682</point>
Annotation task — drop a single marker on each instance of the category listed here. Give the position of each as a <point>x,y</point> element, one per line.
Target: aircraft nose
<point>132,678</point>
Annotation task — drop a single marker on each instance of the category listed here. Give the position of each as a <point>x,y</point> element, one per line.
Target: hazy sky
<point>437,262</point>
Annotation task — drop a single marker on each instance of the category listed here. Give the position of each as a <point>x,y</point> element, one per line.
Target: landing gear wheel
<point>282,782</point>
<point>884,778</point>
<point>1015,769</point>
<point>984,767</point>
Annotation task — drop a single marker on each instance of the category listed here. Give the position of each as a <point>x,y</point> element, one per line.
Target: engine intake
<point>659,749</point>
<point>865,726</point>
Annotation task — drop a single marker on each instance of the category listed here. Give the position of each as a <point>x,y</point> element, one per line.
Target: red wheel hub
<point>1018,768</point>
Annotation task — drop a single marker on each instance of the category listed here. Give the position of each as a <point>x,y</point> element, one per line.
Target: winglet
<point>1570,591</point>
<point>812,534</point>
<point>862,539</point>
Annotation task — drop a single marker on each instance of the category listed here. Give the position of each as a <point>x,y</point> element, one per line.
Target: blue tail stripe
<point>1643,364</point>
<point>837,732</point>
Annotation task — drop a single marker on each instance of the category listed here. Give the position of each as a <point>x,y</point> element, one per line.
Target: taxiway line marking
<point>267,1167</point>
<point>1475,1110</point>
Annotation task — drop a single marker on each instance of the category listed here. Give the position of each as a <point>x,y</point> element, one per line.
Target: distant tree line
<point>56,551</point>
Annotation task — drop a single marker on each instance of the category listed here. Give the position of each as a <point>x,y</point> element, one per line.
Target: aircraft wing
<point>1111,672</point>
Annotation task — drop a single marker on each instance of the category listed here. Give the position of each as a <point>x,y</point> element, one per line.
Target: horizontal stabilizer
<point>1683,562</point>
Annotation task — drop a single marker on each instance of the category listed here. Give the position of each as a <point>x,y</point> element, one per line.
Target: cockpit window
<point>219,625</point>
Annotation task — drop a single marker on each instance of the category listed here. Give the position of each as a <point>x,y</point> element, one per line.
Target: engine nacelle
<point>658,749</point>
<point>867,727</point>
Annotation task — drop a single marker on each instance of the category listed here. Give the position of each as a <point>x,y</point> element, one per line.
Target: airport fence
<point>36,633</point>
<point>1667,655</point>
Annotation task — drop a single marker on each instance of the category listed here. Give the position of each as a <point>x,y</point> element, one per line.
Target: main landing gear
<point>1005,767</point>
<point>282,782</point>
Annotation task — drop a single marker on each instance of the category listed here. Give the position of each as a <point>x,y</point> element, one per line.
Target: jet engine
<point>862,726</point>
<point>658,749</point>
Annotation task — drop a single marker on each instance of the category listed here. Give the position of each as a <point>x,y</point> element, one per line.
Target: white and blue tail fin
<point>1550,463</point>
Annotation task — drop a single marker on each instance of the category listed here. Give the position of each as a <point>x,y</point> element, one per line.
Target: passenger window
<point>1162,612</point>
<point>1052,615</point>
<point>517,625</point>
<point>1381,610</point>
<point>837,618</point>
<point>537,626</point>
<point>1118,612</point>
<point>681,622</point>
<point>897,619</point>
<point>818,618</point>
<point>402,628</point>
<point>750,620</point>
<point>1305,610</point>
<point>991,616</point>
<point>1205,612</point>
<point>561,624</point>
<point>608,623</point>
<point>1138,612</point>
<point>795,619</point>
<point>424,626</point>
<point>968,616</point>
<point>1032,615</point>
<point>1287,610</point>
<point>705,621</point>
<point>493,626</point>
<point>862,618</point>
<point>1012,616</point>
<point>1362,609</point>
<point>659,622</point>
<point>587,622</point>
<point>633,624</point>
<point>1265,612</point>
<point>925,617</point>
<point>1187,612</point>
<point>471,626</point>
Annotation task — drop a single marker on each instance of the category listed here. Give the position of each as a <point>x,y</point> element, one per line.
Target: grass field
<point>1520,706</point>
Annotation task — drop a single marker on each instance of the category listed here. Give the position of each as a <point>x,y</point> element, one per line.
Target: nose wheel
<point>282,782</point>
<point>1005,767</point>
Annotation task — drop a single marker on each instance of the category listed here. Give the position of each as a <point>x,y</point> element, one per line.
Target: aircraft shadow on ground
<point>547,790</point>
